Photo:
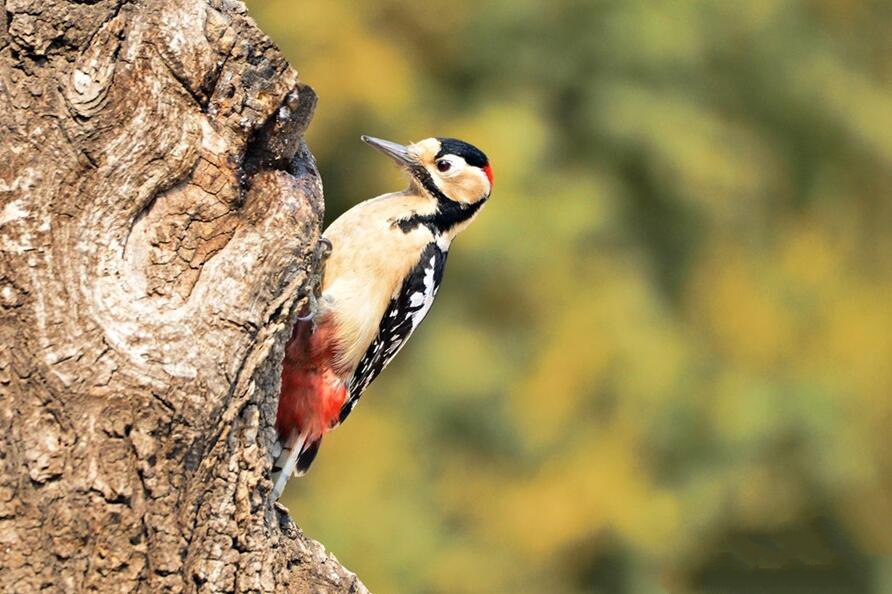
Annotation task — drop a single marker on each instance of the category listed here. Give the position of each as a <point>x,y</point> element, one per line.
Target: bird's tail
<point>297,453</point>
<point>284,465</point>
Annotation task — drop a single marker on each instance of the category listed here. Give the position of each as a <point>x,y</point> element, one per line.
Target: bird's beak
<point>397,152</point>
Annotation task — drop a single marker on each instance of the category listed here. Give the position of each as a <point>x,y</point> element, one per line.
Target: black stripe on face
<point>424,178</point>
<point>470,153</point>
<point>449,212</point>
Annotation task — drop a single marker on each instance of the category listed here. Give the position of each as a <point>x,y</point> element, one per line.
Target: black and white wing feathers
<point>404,313</point>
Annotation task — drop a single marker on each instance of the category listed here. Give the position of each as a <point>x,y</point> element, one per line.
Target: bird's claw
<point>312,307</point>
<point>323,251</point>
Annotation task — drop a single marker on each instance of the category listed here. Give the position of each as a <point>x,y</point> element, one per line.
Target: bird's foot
<point>323,251</point>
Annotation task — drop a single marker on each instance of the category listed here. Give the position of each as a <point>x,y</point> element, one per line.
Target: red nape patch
<point>487,169</point>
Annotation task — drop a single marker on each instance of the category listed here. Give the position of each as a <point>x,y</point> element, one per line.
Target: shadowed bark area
<point>159,213</point>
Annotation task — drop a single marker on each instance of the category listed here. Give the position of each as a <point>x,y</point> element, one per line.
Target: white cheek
<point>476,185</point>
<point>459,166</point>
<point>456,171</point>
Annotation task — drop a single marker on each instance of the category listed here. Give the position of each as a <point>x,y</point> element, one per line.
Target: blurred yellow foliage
<point>661,360</point>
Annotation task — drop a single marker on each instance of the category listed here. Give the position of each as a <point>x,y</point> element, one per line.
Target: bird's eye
<point>443,165</point>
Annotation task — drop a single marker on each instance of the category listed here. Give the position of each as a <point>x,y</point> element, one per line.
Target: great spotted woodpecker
<point>386,261</point>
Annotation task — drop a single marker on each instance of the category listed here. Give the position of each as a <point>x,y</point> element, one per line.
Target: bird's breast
<point>364,273</point>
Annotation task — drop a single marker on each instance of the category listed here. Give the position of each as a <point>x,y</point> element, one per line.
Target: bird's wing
<point>404,313</point>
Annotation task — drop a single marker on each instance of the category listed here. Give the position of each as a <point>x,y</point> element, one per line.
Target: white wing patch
<point>430,291</point>
<point>404,314</point>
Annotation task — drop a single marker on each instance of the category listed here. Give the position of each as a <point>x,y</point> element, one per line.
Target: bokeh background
<point>661,359</point>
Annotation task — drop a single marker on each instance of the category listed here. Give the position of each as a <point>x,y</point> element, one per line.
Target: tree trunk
<point>159,213</point>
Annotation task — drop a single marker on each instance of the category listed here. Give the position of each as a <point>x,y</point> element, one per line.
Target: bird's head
<point>445,168</point>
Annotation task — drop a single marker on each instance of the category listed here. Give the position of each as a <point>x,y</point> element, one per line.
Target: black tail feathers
<point>307,456</point>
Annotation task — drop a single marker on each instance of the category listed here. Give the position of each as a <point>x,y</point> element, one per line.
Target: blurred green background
<point>661,359</point>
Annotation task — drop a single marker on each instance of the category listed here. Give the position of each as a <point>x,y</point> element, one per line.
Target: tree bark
<point>159,213</point>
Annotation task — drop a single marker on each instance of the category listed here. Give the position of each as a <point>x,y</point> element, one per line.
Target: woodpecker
<point>386,261</point>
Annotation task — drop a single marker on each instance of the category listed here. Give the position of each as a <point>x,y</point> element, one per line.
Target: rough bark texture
<point>158,216</point>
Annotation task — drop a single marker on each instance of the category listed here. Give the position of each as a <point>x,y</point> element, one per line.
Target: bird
<point>384,262</point>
